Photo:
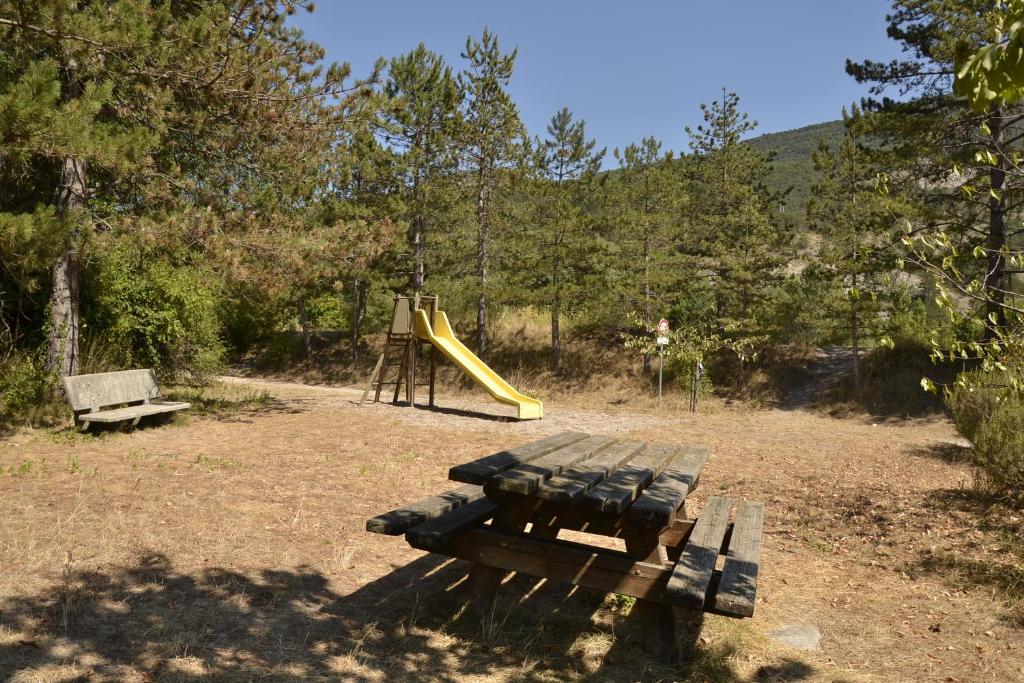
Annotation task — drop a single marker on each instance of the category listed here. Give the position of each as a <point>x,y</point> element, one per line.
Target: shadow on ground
<point>149,622</point>
<point>991,560</point>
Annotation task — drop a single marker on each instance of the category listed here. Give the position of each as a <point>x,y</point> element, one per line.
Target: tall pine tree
<point>738,242</point>
<point>563,242</point>
<point>493,151</point>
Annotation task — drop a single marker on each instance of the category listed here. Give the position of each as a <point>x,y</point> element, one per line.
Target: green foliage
<point>25,386</point>
<point>740,245</point>
<point>559,249</point>
<point>994,73</point>
<point>154,313</point>
<point>990,414</point>
<point>999,447</point>
<point>327,311</point>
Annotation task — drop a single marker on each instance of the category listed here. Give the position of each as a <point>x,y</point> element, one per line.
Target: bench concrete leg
<point>84,426</point>
<point>657,622</point>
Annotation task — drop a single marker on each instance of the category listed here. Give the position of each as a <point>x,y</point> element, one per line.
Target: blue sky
<point>633,68</point>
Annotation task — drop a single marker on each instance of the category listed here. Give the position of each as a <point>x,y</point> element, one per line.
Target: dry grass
<point>230,546</point>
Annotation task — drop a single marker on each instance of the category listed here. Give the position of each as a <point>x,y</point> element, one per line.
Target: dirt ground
<point>231,546</point>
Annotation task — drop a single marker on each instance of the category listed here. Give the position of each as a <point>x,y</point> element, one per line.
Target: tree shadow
<point>147,619</point>
<point>945,451</point>
<point>992,561</point>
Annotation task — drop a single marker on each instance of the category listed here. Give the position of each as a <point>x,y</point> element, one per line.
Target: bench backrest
<point>92,392</point>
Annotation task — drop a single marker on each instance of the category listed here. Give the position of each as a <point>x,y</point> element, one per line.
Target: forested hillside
<point>793,163</point>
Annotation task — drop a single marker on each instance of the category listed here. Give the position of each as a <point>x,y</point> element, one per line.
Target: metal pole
<point>661,365</point>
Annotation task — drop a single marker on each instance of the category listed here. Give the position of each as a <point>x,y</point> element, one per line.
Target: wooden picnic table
<point>512,505</point>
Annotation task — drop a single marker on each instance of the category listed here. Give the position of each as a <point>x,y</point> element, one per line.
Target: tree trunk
<point>648,311</point>
<point>304,321</point>
<point>418,252</point>
<point>358,314</point>
<point>995,278</point>
<point>855,336</point>
<point>482,230</point>
<point>62,354</point>
<point>556,332</point>
<point>69,199</point>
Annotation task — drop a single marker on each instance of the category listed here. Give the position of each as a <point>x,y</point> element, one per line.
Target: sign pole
<point>662,340</point>
<point>661,366</point>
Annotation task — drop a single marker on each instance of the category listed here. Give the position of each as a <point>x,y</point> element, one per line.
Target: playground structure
<point>417,319</point>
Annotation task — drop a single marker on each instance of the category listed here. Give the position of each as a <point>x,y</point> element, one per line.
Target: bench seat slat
<point>657,505</point>
<point>577,480</point>
<point>737,588</point>
<point>525,479</point>
<point>120,414</point>
<point>434,533</point>
<point>617,491</point>
<point>481,470</point>
<point>401,520</point>
<point>693,570</point>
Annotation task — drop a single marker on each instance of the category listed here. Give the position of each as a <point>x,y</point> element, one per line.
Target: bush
<point>999,447</point>
<point>155,314</point>
<point>991,417</point>
<point>25,389</point>
<point>971,401</point>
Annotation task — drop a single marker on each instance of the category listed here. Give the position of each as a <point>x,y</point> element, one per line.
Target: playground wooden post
<point>402,334</point>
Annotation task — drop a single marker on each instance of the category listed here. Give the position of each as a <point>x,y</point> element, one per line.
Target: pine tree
<point>492,148</point>
<point>959,163</point>
<point>739,244</point>
<point>129,109</point>
<point>422,124</point>
<point>853,220</point>
<point>646,197</point>
<point>563,244</point>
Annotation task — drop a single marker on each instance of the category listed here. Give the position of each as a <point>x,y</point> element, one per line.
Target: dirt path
<point>232,547</point>
<point>471,412</point>
<point>831,363</point>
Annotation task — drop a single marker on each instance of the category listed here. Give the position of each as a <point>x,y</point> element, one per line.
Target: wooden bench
<point>108,397</point>
<point>617,488</point>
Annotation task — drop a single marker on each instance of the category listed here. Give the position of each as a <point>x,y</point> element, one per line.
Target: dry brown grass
<point>231,547</point>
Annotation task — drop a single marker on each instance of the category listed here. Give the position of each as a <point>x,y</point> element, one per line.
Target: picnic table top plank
<point>737,588</point>
<point>618,490</point>
<point>434,533</point>
<point>658,503</point>
<point>692,573</point>
<point>402,519</point>
<point>481,470</point>
<point>525,479</point>
<point>578,479</point>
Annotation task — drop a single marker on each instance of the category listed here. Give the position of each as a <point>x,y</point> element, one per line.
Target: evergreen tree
<point>492,148</point>
<point>126,109</point>
<point>854,221</point>
<point>959,163</point>
<point>563,244</point>
<point>646,197</point>
<point>739,244</point>
<point>421,124</point>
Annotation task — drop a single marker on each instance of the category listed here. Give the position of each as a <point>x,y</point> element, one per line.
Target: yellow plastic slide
<point>440,335</point>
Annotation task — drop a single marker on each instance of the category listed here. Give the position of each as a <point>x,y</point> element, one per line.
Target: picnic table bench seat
<point>508,515</point>
<point>94,397</point>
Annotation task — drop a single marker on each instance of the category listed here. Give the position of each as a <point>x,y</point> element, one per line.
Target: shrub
<point>155,314</point>
<point>991,417</point>
<point>971,401</point>
<point>25,389</point>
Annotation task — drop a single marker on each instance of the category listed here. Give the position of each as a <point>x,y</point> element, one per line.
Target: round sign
<point>663,326</point>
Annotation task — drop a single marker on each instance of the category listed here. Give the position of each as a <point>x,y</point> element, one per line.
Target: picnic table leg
<point>657,622</point>
<point>484,580</point>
